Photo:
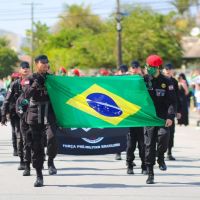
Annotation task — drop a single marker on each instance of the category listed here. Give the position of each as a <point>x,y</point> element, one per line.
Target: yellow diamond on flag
<point>103,105</point>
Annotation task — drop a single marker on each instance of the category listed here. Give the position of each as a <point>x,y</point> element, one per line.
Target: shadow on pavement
<point>177,174</point>
<point>183,166</point>
<point>156,185</point>
<point>90,174</point>
<point>9,162</point>
<point>92,160</point>
<point>83,168</point>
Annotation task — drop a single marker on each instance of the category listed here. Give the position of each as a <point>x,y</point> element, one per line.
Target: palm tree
<point>182,6</point>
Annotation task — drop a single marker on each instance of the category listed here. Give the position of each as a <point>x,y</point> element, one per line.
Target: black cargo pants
<point>135,137</point>
<point>153,136</point>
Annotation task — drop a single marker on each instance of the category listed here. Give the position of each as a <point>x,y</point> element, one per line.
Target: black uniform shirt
<point>10,100</point>
<point>40,109</point>
<point>163,95</point>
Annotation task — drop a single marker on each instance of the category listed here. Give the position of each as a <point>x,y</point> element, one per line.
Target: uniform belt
<point>39,106</point>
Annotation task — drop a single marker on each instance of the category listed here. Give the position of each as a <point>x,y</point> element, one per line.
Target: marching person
<point>12,116</point>
<point>21,108</point>
<point>136,135</point>
<point>8,107</point>
<point>123,70</point>
<point>162,93</point>
<point>41,119</point>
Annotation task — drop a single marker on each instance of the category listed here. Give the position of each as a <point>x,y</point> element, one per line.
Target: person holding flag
<point>163,95</point>
<point>41,119</point>
<point>136,134</point>
<point>123,70</point>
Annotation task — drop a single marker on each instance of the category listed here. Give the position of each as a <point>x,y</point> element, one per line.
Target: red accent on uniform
<point>25,82</point>
<point>15,75</point>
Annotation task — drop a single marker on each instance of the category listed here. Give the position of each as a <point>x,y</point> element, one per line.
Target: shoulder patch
<point>171,87</point>
<point>25,82</point>
<point>163,85</point>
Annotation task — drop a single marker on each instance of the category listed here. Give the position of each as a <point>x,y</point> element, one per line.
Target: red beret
<point>76,72</point>
<point>104,72</point>
<point>154,61</point>
<point>63,70</point>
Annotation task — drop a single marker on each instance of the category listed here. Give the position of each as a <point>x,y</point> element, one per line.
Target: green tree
<point>146,32</point>
<point>40,39</point>
<point>76,30</point>
<point>182,6</point>
<point>183,21</point>
<point>84,40</point>
<point>78,16</point>
<point>8,58</point>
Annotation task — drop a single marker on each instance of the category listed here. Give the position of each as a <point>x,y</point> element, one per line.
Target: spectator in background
<point>7,82</point>
<point>183,96</point>
<point>197,95</point>
<point>169,72</point>
<point>62,72</point>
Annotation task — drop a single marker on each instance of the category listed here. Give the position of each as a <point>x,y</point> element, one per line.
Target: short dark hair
<point>42,58</point>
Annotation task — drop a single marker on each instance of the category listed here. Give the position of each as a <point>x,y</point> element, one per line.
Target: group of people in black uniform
<point>34,124</point>
<point>32,119</point>
<point>154,142</point>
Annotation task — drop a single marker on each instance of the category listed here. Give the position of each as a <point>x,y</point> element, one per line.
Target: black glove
<point>3,120</point>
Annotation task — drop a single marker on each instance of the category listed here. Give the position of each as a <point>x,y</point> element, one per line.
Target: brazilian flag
<point>101,102</point>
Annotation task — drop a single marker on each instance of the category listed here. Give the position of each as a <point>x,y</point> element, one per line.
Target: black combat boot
<point>21,165</point>
<point>15,152</point>
<point>170,157</point>
<point>144,169</point>
<point>130,168</point>
<point>162,165</point>
<point>118,156</point>
<point>39,179</point>
<point>169,154</point>
<point>51,167</point>
<point>27,171</point>
<point>150,179</point>
<point>133,163</point>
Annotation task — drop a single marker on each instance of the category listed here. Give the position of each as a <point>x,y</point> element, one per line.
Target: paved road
<point>102,178</point>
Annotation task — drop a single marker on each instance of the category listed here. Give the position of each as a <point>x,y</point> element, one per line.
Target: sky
<point>15,15</point>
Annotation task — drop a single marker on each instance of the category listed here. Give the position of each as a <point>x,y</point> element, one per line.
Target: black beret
<point>135,64</point>
<point>168,66</point>
<point>123,68</point>
<point>24,64</point>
